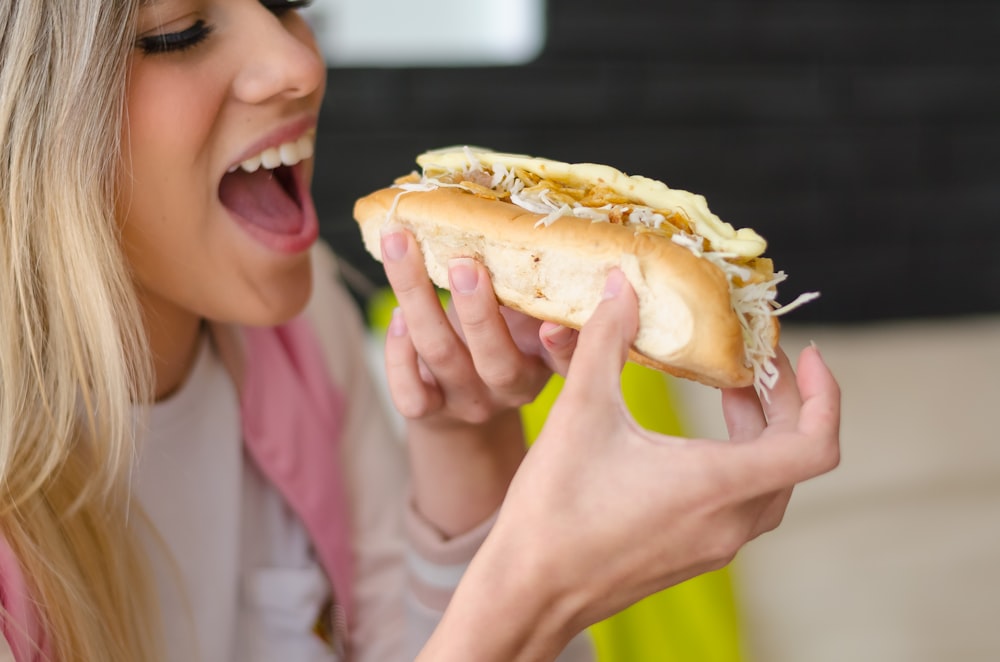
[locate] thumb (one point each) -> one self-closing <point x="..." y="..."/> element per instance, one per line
<point x="604" y="341"/>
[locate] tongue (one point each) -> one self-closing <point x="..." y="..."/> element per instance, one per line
<point x="260" y="199"/>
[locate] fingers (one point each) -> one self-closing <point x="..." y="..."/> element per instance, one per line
<point x="512" y="375"/>
<point x="804" y="415"/>
<point x="820" y="415"/>
<point x="498" y="360"/>
<point x="603" y="343"/>
<point x="431" y="344"/>
<point x="747" y="414"/>
<point x="743" y="414"/>
<point x="559" y="342"/>
<point x="412" y="393"/>
<point x="416" y="294"/>
<point x="783" y="402"/>
<point x="802" y="439"/>
<point x="821" y="395"/>
<point x="476" y="365"/>
<point x="773" y="511"/>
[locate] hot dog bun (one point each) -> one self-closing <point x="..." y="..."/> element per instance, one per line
<point x="557" y="273"/>
<point x="555" y="268"/>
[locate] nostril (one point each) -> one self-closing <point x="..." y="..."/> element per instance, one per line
<point x="285" y="63"/>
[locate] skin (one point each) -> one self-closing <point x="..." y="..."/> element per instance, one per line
<point x="190" y="115"/>
<point x="630" y="511"/>
<point x="460" y="381"/>
<point x="624" y="512"/>
<point x="193" y="263"/>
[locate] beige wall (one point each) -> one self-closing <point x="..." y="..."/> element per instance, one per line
<point x="895" y="556"/>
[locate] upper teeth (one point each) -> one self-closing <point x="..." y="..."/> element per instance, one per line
<point x="287" y="154"/>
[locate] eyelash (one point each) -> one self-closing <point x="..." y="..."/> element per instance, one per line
<point x="279" y="7"/>
<point x="176" y="42"/>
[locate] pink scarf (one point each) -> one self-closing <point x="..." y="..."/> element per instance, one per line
<point x="292" y="419"/>
<point x="292" y="416"/>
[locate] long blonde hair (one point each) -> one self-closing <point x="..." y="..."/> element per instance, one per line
<point x="73" y="354"/>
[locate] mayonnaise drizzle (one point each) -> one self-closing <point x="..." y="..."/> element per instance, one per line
<point x="753" y="302"/>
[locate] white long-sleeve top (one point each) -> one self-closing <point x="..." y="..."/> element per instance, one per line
<point x="237" y="575"/>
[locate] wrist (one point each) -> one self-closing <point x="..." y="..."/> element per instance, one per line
<point x="510" y="606"/>
<point x="460" y="472"/>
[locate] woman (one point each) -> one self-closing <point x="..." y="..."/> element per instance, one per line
<point x="193" y="458"/>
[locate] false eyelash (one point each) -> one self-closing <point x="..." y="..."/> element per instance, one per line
<point x="173" y="42"/>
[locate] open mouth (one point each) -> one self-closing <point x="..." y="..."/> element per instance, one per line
<point x="267" y="199"/>
<point x="265" y="191"/>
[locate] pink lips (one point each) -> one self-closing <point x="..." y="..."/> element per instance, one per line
<point x="274" y="207"/>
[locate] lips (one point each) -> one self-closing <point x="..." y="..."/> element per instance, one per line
<point x="267" y="193"/>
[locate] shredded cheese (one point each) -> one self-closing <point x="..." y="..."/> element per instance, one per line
<point x="753" y="299"/>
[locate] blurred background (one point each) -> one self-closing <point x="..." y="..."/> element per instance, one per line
<point x="862" y="139"/>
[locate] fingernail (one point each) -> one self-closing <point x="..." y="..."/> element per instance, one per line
<point x="394" y="245"/>
<point x="613" y="285"/>
<point x="557" y="335"/>
<point x="463" y="275"/>
<point x="397" y="325"/>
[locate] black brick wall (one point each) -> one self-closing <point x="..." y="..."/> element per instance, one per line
<point x="860" y="137"/>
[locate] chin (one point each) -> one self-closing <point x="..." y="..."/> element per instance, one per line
<point x="280" y="301"/>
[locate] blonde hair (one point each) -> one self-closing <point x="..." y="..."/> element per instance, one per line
<point x="73" y="354"/>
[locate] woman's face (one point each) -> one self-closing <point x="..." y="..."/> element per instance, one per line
<point x="217" y="89"/>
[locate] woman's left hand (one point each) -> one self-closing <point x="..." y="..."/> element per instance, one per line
<point x="470" y="363"/>
<point x="459" y="377"/>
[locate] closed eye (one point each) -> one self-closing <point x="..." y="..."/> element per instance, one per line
<point x="173" y="42"/>
<point x="279" y="7"/>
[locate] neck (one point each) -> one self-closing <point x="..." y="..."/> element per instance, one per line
<point x="173" y="340"/>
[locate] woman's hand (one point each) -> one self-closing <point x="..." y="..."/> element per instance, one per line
<point x="459" y="377"/>
<point x="603" y="513"/>
<point x="464" y="366"/>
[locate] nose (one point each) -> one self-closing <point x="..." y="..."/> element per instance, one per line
<point x="280" y="58"/>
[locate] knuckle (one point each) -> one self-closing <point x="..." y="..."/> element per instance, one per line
<point x="473" y="318"/>
<point x="502" y="377"/>
<point x="832" y="458"/>
<point x="771" y="522"/>
<point x="729" y="541"/>
<point x="721" y="559"/>
<point x="403" y="283"/>
<point x="438" y="351"/>
<point x="411" y="406"/>
<point x="827" y="457"/>
<point x="477" y="412"/>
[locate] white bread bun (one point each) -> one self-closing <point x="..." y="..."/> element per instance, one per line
<point x="556" y="272"/>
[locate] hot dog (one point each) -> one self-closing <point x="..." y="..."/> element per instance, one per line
<point x="549" y="232"/>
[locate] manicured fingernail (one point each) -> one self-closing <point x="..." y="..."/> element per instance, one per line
<point x="557" y="335"/>
<point x="613" y="285"/>
<point x="394" y="245"/>
<point x="463" y="275"/>
<point x="397" y="325"/>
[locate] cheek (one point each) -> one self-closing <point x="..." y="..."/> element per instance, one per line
<point x="170" y="118"/>
<point x="166" y="134"/>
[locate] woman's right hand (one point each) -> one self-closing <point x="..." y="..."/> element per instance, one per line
<point x="603" y="513"/>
